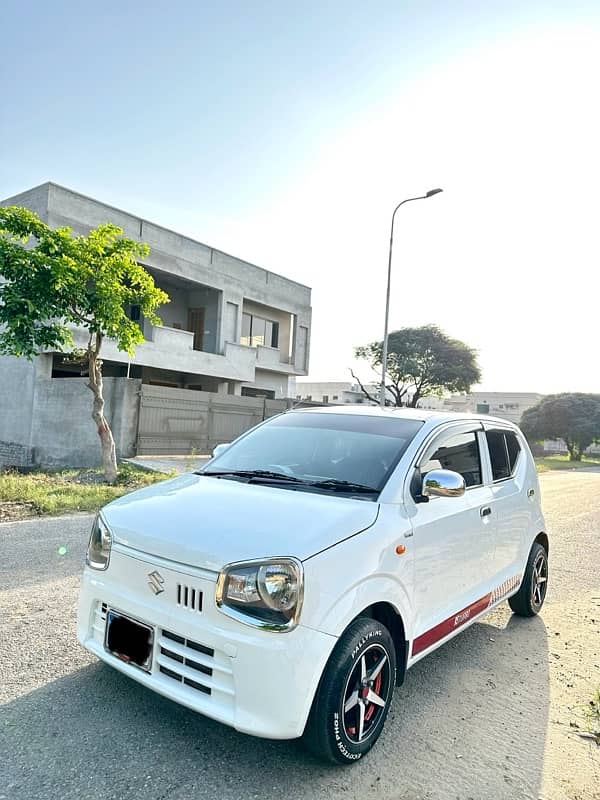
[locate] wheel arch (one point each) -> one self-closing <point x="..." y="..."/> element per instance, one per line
<point x="389" y="616"/>
<point x="542" y="538"/>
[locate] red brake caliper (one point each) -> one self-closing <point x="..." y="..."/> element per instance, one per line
<point x="370" y="710"/>
<point x="376" y="688"/>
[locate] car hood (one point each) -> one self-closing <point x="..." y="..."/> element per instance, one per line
<point x="209" y="522"/>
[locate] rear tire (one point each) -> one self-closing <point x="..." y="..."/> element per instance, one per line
<point x="354" y="694"/>
<point x="528" y="601"/>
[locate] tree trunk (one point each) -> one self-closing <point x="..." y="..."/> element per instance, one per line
<point x="414" y="401"/>
<point x="107" y="443"/>
<point x="572" y="448"/>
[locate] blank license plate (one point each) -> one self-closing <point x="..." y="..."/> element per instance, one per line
<point x="129" y="640"/>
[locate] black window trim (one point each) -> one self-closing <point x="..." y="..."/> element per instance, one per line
<point x="504" y="430"/>
<point x="467" y="426"/>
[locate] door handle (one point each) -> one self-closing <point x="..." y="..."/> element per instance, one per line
<point x="530" y="493"/>
<point x="485" y="512"/>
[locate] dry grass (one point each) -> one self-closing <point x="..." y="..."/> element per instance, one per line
<point x="40" y="493"/>
<point x="549" y="463"/>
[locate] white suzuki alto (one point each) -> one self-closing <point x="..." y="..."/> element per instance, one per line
<point x="287" y="587"/>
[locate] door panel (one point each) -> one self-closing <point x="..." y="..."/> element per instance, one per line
<point x="453" y="541"/>
<point x="196" y="326"/>
<point x="514" y="515"/>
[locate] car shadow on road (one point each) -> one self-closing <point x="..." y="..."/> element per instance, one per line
<point x="470" y="722"/>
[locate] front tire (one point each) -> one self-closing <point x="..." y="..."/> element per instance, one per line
<point x="354" y="695"/>
<point x="528" y="601"/>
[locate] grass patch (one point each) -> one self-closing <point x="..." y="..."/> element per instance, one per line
<point x="39" y="493"/>
<point x="591" y="720"/>
<point x="592" y="716"/>
<point x="549" y="463"/>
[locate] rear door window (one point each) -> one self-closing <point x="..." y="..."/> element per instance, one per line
<point x="504" y="449"/>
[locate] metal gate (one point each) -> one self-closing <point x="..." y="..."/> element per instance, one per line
<point x="181" y="421"/>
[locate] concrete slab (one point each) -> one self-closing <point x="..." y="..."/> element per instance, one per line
<point x="179" y="464"/>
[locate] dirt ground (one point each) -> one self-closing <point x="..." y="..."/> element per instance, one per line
<point x="571" y="615"/>
<point x="493" y="715"/>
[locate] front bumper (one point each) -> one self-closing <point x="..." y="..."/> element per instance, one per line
<point x="259" y="682"/>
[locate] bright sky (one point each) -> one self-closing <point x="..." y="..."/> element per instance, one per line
<point x="285" y="133"/>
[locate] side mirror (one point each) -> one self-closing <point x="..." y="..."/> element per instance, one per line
<point x="220" y="449"/>
<point x="443" y="483"/>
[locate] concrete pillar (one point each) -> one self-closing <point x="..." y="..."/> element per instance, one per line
<point x="43" y="365"/>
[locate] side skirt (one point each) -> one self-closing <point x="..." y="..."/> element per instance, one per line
<point x="444" y="631"/>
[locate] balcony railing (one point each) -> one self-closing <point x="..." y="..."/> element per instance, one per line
<point x="164" y="337"/>
<point x="173" y="349"/>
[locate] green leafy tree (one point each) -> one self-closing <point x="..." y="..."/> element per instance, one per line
<point x="574" y="418"/>
<point x="421" y="362"/>
<point x="50" y="280"/>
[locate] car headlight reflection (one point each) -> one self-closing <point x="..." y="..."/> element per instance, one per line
<point x="99" y="545"/>
<point x="267" y="594"/>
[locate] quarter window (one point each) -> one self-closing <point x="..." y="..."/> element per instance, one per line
<point x="514" y="448"/>
<point x="459" y="453"/>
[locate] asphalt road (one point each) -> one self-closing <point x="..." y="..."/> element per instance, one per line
<point x="490" y="715"/>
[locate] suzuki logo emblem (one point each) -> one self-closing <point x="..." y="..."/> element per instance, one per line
<point x="156" y="582"/>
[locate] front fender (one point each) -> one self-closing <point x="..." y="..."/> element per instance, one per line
<point x="344" y="580"/>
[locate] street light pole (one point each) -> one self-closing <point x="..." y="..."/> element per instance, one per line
<point x="430" y="193"/>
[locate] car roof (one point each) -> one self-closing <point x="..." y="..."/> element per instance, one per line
<point x="421" y="414"/>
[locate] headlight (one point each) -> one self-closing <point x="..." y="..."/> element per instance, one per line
<point x="98" y="552"/>
<point x="267" y="594"/>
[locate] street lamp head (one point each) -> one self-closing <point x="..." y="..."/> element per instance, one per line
<point x="431" y="192"/>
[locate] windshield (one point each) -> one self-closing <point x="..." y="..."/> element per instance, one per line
<point x="357" y="449"/>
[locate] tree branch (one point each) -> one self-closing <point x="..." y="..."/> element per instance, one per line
<point x="79" y="316"/>
<point x="362" y="388"/>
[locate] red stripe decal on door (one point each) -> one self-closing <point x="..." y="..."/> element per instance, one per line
<point x="433" y="635"/>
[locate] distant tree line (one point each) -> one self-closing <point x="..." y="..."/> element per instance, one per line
<point x="573" y="418"/>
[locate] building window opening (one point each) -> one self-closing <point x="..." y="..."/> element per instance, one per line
<point x="255" y="391"/>
<point x="259" y="331"/>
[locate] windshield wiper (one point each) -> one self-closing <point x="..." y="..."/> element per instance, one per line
<point x="257" y="475"/>
<point x="344" y="486"/>
<point x="251" y="474"/>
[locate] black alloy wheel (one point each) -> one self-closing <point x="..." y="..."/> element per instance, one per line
<point x="528" y="601"/>
<point x="354" y="695"/>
